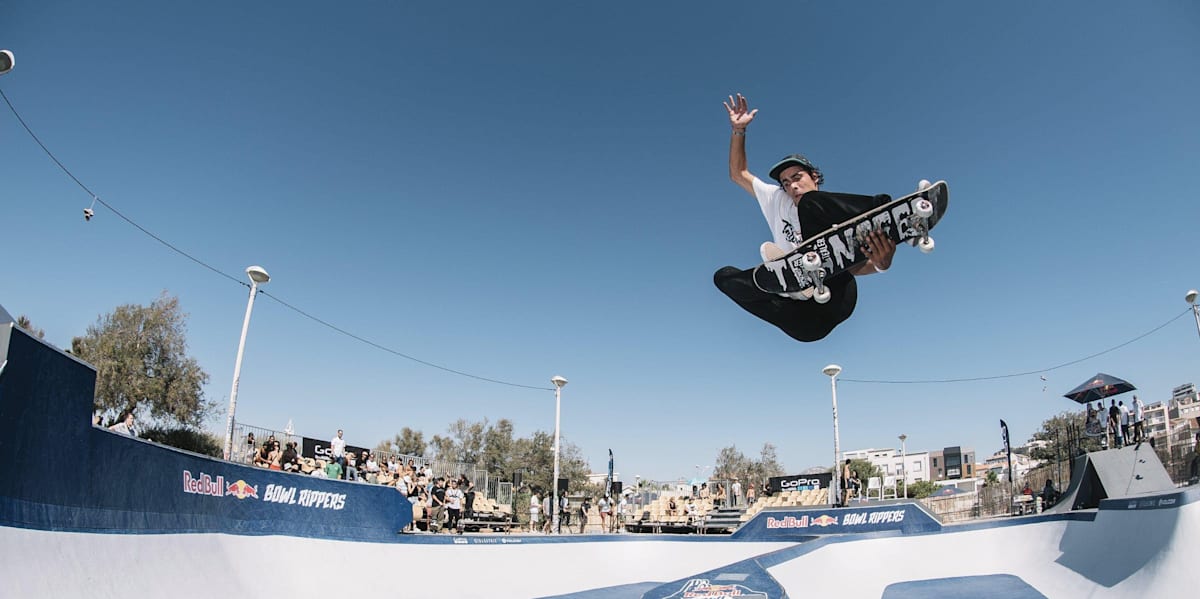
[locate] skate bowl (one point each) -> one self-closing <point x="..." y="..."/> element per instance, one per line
<point x="121" y="517"/>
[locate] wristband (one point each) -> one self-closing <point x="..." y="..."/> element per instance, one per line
<point x="878" y="269"/>
<point x="739" y="132"/>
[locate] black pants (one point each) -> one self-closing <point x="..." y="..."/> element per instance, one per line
<point x="799" y="319"/>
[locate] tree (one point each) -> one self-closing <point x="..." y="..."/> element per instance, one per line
<point x="1063" y="433"/>
<point x="992" y="478"/>
<point x="443" y="448"/>
<point x="866" y="470"/>
<point x="498" y="446"/>
<point x="408" y="442"/>
<point x="142" y="366"/>
<point x="24" y="323"/>
<point x="732" y="463"/>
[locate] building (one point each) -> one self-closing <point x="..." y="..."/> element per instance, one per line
<point x="911" y="467"/>
<point x="998" y="463"/>
<point x="952" y="463"/>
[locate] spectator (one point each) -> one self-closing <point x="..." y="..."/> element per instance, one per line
<point x="535" y="506"/>
<point x="605" y="509"/>
<point x="291" y="458"/>
<point x="125" y="426"/>
<point x="1049" y="494"/>
<point x="750" y="494"/>
<point x="719" y="499"/>
<point x="845" y="480"/>
<point x="672" y="507"/>
<point x="454" y="503"/>
<point x="1139" y="420"/>
<point x="469" y="495"/>
<point x="437" y="502"/>
<point x="736" y="493"/>
<point x="421" y="509"/>
<point x="1114" y="424"/>
<point x="333" y="470"/>
<point x="337" y="450"/>
<point x="1027" y="490"/>
<point x="371" y="467"/>
<point x="625" y="510"/>
<point x="275" y="458"/>
<point x="1125" y="418"/>
<point x="351" y="466"/>
<point x="584" y="508"/>
<point x="262" y="457"/>
<point x="691" y="510"/>
<point x="248" y="450"/>
<point x="548" y="509"/>
<point x="855" y="485"/>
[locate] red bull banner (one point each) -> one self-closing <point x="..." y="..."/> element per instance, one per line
<point x="168" y="490"/>
<point x="774" y="524"/>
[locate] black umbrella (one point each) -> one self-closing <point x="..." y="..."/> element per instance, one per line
<point x="1098" y="387"/>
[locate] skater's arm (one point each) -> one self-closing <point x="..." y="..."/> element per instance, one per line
<point x="881" y="250"/>
<point x="740" y="117"/>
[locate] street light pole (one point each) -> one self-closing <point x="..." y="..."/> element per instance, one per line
<point x="558" y="385"/>
<point x="1191" y="296"/>
<point x="832" y="371"/>
<point x="904" y="463"/>
<point x="257" y="275"/>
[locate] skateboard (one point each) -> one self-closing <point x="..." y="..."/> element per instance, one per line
<point x="805" y="269"/>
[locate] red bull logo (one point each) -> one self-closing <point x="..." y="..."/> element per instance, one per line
<point x="787" y="522"/>
<point x="824" y="520"/>
<point x="702" y="588"/>
<point x="242" y="490"/>
<point x="204" y="485"/>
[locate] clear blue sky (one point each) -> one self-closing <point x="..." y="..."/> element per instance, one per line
<point x="519" y="190"/>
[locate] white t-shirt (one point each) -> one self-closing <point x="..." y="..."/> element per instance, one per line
<point x="1139" y="411"/>
<point x="337" y="447"/>
<point x="454" y="498"/>
<point x="535" y="504"/>
<point x="780" y="212"/>
<point x="1124" y="415"/>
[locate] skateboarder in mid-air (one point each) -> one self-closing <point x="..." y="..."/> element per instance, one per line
<point x="794" y="208"/>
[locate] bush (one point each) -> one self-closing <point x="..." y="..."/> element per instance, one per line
<point x="921" y="489"/>
<point x="186" y="439"/>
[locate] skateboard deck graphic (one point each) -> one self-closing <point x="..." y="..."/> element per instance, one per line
<point x="841" y="247"/>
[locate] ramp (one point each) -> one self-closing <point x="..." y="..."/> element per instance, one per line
<point x="1128" y="471"/>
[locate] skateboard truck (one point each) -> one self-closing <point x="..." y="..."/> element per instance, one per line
<point x="923" y="209"/>
<point x="811" y="263"/>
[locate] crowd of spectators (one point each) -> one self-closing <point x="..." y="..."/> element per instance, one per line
<point x="439" y="503"/>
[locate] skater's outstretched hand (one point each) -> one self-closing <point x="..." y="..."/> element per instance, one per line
<point x="880" y="251"/>
<point x="740" y="114"/>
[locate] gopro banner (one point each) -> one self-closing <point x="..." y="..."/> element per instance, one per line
<point x="779" y="525"/>
<point x="799" y="482"/>
<point x="319" y="449"/>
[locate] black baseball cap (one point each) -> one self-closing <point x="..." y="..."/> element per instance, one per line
<point x="797" y="160"/>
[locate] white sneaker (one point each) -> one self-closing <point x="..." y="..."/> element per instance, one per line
<point x="770" y="252"/>
<point x="923" y="184"/>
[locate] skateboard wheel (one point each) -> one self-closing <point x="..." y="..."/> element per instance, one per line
<point x="925" y="244"/>
<point x="822" y="295"/>
<point x="923" y="208"/>
<point x="811" y="262"/>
